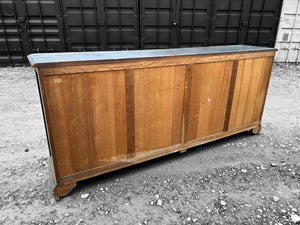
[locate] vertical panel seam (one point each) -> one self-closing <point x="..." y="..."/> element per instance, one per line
<point x="230" y="95"/>
<point x="187" y="98"/>
<point x="130" y="112"/>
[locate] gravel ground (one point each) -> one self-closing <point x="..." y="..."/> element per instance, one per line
<point x="243" y="179"/>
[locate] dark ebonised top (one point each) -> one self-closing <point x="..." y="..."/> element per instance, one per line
<point x="67" y="57"/>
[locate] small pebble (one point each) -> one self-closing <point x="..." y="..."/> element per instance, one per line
<point x="159" y="202"/>
<point x="295" y="218"/>
<point x="273" y="164"/>
<point x="26" y="150"/>
<point x="84" y="196"/>
<point x="244" y="171"/>
<point x="275" y="198"/>
<point x="223" y="203"/>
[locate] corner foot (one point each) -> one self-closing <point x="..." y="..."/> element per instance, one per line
<point x="63" y="189"/>
<point x="256" y="130"/>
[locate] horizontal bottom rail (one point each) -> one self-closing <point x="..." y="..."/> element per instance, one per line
<point x="154" y="154"/>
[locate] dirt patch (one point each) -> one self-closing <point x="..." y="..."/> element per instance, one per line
<point x="243" y="179"/>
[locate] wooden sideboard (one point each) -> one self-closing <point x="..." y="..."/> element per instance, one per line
<point x="108" y="110"/>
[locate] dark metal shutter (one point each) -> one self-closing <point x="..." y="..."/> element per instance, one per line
<point x="195" y="23"/>
<point x="157" y="22"/>
<point x="251" y="22"/>
<point x="101" y="25"/>
<point x="263" y="22"/>
<point x="187" y="23"/>
<point x="11" y="48"/>
<point x="28" y="26"/>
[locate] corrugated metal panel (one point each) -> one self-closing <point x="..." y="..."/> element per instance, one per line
<point x="157" y="21"/>
<point x="247" y="22"/>
<point x="263" y="22"/>
<point x="11" y="48"/>
<point x="288" y="37"/>
<point x="28" y="26"/>
<point x="101" y="25"/>
<point x="184" y="23"/>
<point x="195" y="23"/>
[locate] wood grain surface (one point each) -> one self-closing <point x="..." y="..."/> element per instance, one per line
<point x="118" y="115"/>
<point x="208" y="99"/>
<point x="250" y="90"/>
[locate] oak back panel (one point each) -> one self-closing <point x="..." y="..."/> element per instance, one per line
<point x="208" y="99"/>
<point x="250" y="91"/>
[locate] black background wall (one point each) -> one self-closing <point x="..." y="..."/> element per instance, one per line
<point x="29" y="26"/>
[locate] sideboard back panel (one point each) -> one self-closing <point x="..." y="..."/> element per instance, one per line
<point x="105" y="111"/>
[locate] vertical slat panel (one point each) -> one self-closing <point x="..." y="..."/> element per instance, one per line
<point x="76" y="109"/>
<point x="107" y="93"/>
<point x="158" y="107"/>
<point x="71" y="125"/>
<point x="214" y="101"/>
<point x="262" y="89"/>
<point x="121" y="122"/>
<point x="208" y="99"/>
<point x="61" y="146"/>
<point x="87" y="114"/>
<point x="241" y="92"/>
<point x="256" y="71"/>
<point x="250" y="90"/>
